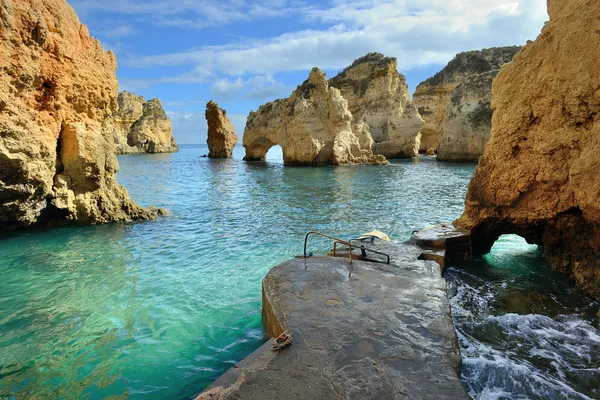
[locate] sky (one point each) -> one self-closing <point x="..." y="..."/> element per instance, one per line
<point x="243" y="53"/>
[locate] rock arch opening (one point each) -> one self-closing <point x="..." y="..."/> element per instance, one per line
<point x="258" y="149"/>
<point x="510" y="245"/>
<point x="275" y="153"/>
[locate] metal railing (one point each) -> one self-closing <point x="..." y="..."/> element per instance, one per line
<point x="346" y="243"/>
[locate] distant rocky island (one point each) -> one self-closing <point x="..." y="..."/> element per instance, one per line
<point x="221" y="138"/>
<point x="314" y="126"/>
<point x="456" y="104"/>
<point x="450" y="114"/>
<point x="142" y="126"/>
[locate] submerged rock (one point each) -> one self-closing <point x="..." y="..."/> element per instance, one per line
<point x="313" y="127"/>
<point x="58" y="95"/>
<point x="434" y="98"/>
<point x="538" y="177"/>
<point x="142" y="126"/>
<point x="221" y="133"/>
<point x="378" y="96"/>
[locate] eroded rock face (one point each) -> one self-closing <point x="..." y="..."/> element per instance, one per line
<point x="538" y="177"/>
<point x="142" y="126"/>
<point x="57" y="99"/>
<point x="221" y="133"/>
<point x="433" y="96"/>
<point x="313" y="127"/>
<point x="468" y="124"/>
<point x="378" y="96"/>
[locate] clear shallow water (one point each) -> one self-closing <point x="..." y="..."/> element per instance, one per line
<point x="160" y="309"/>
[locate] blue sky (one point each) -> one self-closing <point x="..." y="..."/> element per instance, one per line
<point x="243" y="53"/>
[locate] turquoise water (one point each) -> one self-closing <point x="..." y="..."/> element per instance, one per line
<point x="160" y="309"/>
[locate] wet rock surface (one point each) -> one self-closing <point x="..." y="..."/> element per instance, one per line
<point x="538" y="177"/>
<point x="365" y="330"/>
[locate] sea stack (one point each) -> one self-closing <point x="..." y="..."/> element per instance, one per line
<point x="58" y="96"/>
<point x="538" y="177"/>
<point x="142" y="126"/>
<point x="460" y="95"/>
<point x="378" y="96"/>
<point x="221" y="133"/>
<point x="313" y="127"/>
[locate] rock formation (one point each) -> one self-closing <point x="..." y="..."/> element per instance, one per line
<point x="433" y="96"/>
<point x="468" y="124"/>
<point x="142" y="127"/>
<point x="221" y="133"/>
<point x="313" y="127"/>
<point x="58" y="92"/>
<point x="378" y="96"/>
<point x="538" y="177"/>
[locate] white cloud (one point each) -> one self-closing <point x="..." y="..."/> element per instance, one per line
<point x="418" y="33"/>
<point x="188" y="13"/>
<point x="255" y="88"/>
<point x="119" y="31"/>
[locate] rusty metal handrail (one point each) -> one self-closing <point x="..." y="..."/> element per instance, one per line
<point x="363" y="251"/>
<point x="336" y="240"/>
<point x="346" y="243"/>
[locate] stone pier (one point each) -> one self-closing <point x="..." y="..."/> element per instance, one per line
<point x="365" y="330"/>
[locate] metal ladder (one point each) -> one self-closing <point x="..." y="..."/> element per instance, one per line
<point x="348" y="245"/>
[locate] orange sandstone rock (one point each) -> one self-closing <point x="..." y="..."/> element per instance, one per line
<point x="540" y="174"/>
<point x="221" y="133"/>
<point x="58" y="93"/>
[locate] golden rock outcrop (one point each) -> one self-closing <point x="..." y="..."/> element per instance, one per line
<point x="433" y="97"/>
<point x="221" y="134"/>
<point x="58" y="95"/>
<point x="142" y="126"/>
<point x="378" y="96"/>
<point x="538" y="177"/>
<point x="313" y="127"/>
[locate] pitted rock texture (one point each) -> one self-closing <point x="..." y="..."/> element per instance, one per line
<point x="468" y="124"/>
<point x="313" y="127"/>
<point x="538" y="177"/>
<point x="433" y="96"/>
<point x="58" y="94"/>
<point x="221" y="133"/>
<point x="378" y="97"/>
<point x="142" y="126"/>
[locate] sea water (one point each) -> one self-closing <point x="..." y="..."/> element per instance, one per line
<point x="160" y="309"/>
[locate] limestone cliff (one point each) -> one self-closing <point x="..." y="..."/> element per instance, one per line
<point x="468" y="124"/>
<point x="58" y="92"/>
<point x="142" y="127"/>
<point x="378" y="96"/>
<point x="221" y="133"/>
<point x="433" y="96"/>
<point x="313" y="127"/>
<point x="538" y="177"/>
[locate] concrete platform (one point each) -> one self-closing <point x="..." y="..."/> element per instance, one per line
<point x="360" y="331"/>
